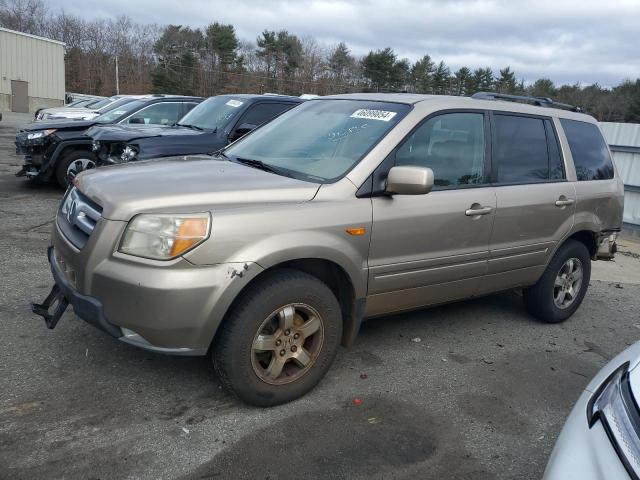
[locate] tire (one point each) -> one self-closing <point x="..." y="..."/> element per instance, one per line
<point x="243" y="368"/>
<point x="64" y="163"/>
<point x="541" y="300"/>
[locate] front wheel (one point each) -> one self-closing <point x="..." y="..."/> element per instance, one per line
<point x="72" y="164"/>
<point x="563" y="285"/>
<point x="280" y="338"/>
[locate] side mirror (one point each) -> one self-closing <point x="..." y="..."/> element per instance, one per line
<point x="408" y="180"/>
<point x="241" y="131"/>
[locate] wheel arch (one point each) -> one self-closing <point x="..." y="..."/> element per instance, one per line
<point x="331" y="274"/>
<point x="65" y="148"/>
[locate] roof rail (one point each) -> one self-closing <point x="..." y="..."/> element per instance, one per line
<point x="538" y="101"/>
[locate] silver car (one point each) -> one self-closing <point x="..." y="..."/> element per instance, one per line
<point x="601" y="438"/>
<point x="269" y="254"/>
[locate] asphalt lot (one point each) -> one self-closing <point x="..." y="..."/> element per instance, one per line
<point x="482" y="395"/>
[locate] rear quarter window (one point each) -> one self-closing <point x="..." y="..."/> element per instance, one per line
<point x="589" y="150"/>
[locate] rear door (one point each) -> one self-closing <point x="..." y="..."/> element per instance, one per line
<point x="535" y="202"/>
<point x="433" y="248"/>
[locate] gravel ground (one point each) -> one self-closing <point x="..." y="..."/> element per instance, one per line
<point x="482" y="395"/>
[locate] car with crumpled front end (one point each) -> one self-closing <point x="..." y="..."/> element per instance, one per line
<point x="59" y="149"/>
<point x="210" y="126"/>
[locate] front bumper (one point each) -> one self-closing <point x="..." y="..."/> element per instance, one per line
<point x="87" y="308"/>
<point x="170" y="307"/>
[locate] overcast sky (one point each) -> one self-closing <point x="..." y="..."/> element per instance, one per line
<point x="568" y="41"/>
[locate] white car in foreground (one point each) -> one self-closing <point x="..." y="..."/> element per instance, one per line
<point x="601" y="438"/>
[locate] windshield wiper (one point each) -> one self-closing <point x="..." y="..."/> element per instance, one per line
<point x="219" y="153"/>
<point x="194" y="127"/>
<point x="260" y="165"/>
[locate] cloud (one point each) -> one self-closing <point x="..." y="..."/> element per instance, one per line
<point x="568" y="41"/>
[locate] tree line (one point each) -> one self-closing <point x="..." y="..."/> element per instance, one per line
<point x="212" y="60"/>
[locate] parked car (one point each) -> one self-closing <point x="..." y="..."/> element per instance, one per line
<point x="207" y="128"/>
<point x="601" y="437"/>
<point x="80" y="113"/>
<point x="79" y="103"/>
<point x="270" y="254"/>
<point x="58" y="149"/>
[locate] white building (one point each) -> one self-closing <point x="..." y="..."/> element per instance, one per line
<point x="31" y="72"/>
<point x="624" y="142"/>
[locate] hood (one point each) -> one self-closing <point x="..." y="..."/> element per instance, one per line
<point x="127" y="133"/>
<point x="61" y="124"/>
<point x="186" y="184"/>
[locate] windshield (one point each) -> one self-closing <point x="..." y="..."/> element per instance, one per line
<point x="101" y="103"/>
<point x="320" y="140"/>
<point x="112" y="115"/>
<point x="213" y="113"/>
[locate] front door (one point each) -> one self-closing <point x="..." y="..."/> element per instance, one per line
<point x="19" y="96"/>
<point x="535" y="201"/>
<point x="433" y="248"/>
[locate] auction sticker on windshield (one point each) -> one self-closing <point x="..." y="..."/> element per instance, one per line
<point x="373" y="114"/>
<point x="234" y="103"/>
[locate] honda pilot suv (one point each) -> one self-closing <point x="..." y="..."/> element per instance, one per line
<point x="270" y="254"/>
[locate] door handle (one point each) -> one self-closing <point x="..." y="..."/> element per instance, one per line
<point x="472" y="212"/>
<point x="563" y="202"/>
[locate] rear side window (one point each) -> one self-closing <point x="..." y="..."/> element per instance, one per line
<point x="520" y="151"/>
<point x="452" y="145"/>
<point x="589" y="150"/>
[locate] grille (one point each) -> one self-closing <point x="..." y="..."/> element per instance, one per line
<point x="77" y="217"/>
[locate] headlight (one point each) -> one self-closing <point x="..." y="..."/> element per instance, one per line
<point x="95" y="146"/>
<point x="128" y="153"/>
<point x="163" y="237"/>
<point x="40" y="134"/>
<point x="613" y="404"/>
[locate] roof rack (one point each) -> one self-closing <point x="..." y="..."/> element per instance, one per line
<point x="538" y="101"/>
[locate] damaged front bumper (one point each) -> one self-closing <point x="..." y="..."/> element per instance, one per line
<point x="33" y="151"/>
<point x="173" y="309"/>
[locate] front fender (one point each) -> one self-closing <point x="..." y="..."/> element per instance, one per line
<point x="328" y="246"/>
<point x="273" y="234"/>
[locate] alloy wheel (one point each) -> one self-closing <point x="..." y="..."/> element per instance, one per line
<point x="568" y="283"/>
<point x="287" y="344"/>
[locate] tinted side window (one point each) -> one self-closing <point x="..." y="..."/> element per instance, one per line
<point x="157" y="114"/>
<point x="452" y="145"/>
<point x="520" y="149"/>
<point x="263" y="112"/>
<point x="589" y="150"/>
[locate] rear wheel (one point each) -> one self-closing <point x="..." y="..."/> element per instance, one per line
<point x="562" y="287"/>
<point x="280" y="339"/>
<point x="72" y="164"/>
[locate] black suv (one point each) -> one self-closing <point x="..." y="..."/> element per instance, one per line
<point x="207" y="128"/>
<point x="57" y="149"/>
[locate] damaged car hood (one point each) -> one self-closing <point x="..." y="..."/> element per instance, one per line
<point x="186" y="184"/>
